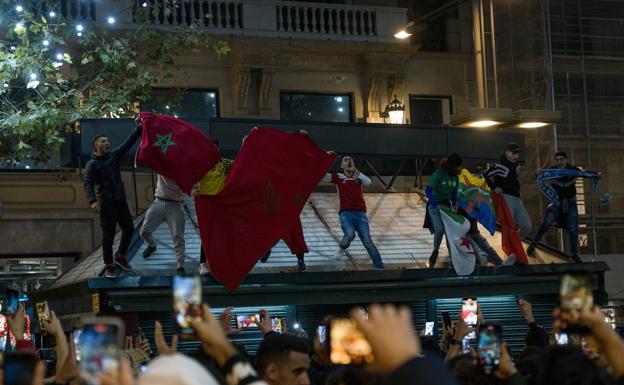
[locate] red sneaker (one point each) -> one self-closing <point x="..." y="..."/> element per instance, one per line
<point x="109" y="272"/>
<point x="121" y="261"/>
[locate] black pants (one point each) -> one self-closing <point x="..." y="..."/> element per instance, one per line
<point x="112" y="213"/>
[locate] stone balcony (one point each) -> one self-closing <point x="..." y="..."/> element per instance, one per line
<point x="266" y="18"/>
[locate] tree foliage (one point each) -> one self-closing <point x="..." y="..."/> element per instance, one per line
<point x="50" y="77"/>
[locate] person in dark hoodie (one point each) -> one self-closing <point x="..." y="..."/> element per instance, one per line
<point x="503" y="178"/>
<point x="106" y="194"/>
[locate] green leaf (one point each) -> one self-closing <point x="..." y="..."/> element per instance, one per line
<point x="67" y="58"/>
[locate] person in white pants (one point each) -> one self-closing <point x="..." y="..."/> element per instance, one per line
<point x="166" y="207"/>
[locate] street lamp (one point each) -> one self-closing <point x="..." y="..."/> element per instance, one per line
<point x="395" y="111"/>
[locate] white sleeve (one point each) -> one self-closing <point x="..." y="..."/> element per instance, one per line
<point x="327" y="177"/>
<point x="366" y="181"/>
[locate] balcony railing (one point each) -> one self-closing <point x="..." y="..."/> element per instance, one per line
<point x="270" y="18"/>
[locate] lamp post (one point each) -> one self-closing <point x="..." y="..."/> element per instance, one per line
<point x="395" y="111"/>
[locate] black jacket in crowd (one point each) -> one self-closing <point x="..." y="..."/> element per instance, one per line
<point x="103" y="172"/>
<point x="504" y="174"/>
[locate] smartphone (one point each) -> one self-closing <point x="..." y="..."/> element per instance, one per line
<point x="187" y="302"/>
<point x="12" y="302"/>
<point x="100" y="341"/>
<point x="446" y="319"/>
<point x="43" y="313"/>
<point x="76" y="334"/>
<point x="277" y="324"/>
<point x="575" y="294"/>
<point x="562" y="338"/>
<point x="321" y="330"/>
<point x="469" y="314"/>
<point x="609" y="317"/>
<point x="490" y="336"/>
<point x="19" y="367"/>
<point x="248" y="321"/>
<point x="429" y="325"/>
<point x="347" y="344"/>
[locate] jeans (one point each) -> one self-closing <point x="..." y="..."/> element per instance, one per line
<point x="171" y="212"/>
<point x="357" y="221"/>
<point x="483" y="244"/>
<point x="112" y="213"/>
<point x="438" y="226"/>
<point x="519" y="214"/>
<point x="571" y="216"/>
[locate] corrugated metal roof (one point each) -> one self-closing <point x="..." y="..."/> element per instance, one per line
<point x="396" y="227"/>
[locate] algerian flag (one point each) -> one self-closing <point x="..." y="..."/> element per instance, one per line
<point x="462" y="253"/>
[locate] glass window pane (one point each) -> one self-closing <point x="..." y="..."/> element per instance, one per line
<point x="315" y="107"/>
<point x="183" y="103"/>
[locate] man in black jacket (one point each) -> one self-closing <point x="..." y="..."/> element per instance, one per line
<point x="503" y="178"/>
<point x="106" y="194"/>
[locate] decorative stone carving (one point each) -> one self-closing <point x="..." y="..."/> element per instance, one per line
<point x="265" y="90"/>
<point x="242" y="77"/>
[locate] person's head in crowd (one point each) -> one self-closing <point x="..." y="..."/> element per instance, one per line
<point x="283" y="359"/>
<point x="347" y="165"/>
<point x="561" y="159"/>
<point x="466" y="371"/>
<point x="568" y="365"/>
<point x="451" y="165"/>
<point x="351" y="375"/>
<point x="101" y="144"/>
<point x="176" y="369"/>
<point x="430" y="346"/>
<point x="512" y="152"/>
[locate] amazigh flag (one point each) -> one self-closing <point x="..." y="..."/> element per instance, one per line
<point x="511" y="242"/>
<point x="462" y="253"/>
<point x="264" y="193"/>
<point x="175" y="149"/>
<point x="473" y="195"/>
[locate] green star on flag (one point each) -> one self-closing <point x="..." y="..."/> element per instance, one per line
<point x="164" y="141"/>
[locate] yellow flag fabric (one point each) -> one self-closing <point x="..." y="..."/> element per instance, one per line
<point x="212" y="183"/>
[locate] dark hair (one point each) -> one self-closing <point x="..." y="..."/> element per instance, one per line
<point x="561" y="153"/>
<point x="563" y="365"/>
<point x="451" y="164"/>
<point x="98" y="136"/>
<point x="275" y="347"/>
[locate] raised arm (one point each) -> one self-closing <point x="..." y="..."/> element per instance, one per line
<point x="129" y="142"/>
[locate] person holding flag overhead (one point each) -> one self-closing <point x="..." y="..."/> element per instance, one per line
<point x="562" y="208"/>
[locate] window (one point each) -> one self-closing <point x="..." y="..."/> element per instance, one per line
<point x="316" y="107"/>
<point x="430" y="109"/>
<point x="190" y="103"/>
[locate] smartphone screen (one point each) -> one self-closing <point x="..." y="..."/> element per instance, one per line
<point x="247" y="321"/>
<point x="469" y="314"/>
<point x="12" y="302"/>
<point x="277" y="324"/>
<point x="99" y="350"/>
<point x="19" y="367"/>
<point x="446" y="319"/>
<point x="562" y="338"/>
<point x="321" y="330"/>
<point x="576" y="292"/>
<point x="77" y="333"/>
<point x="43" y="313"/>
<point x="429" y="328"/>
<point x="187" y="301"/>
<point x="489" y="346"/>
<point x="609" y="317"/>
<point x="347" y="344"/>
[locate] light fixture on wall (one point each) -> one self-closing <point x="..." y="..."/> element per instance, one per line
<point x="395" y="111"/>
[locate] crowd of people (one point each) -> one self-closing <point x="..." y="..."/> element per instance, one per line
<point x="595" y="355"/>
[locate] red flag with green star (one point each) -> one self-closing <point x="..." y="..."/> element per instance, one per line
<point x="272" y="177"/>
<point x="175" y="149"/>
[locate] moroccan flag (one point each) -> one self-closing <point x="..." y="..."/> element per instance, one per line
<point x="512" y="244"/>
<point x="462" y="253"/>
<point x="473" y="195"/>
<point x="264" y="193"/>
<point x="175" y="149"/>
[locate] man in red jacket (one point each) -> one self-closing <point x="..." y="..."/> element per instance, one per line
<point x="353" y="208"/>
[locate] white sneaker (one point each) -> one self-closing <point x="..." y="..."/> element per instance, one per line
<point x="204" y="269"/>
<point x="510" y="260"/>
<point x="340" y="253"/>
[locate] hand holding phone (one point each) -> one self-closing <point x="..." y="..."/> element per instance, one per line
<point x="469" y="314"/>
<point x="43" y="314"/>
<point x="187" y="302"/>
<point x="490" y="337"/>
<point x="575" y="295"/>
<point x="429" y="326"/>
<point x="100" y="342"/>
<point x="347" y="344"/>
<point x="11" y="304"/>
